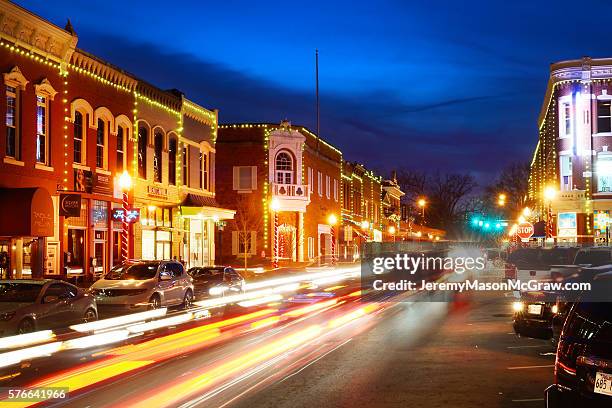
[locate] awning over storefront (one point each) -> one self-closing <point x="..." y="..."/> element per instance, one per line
<point x="26" y="212"/>
<point x="204" y="206"/>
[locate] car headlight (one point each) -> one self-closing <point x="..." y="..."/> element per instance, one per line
<point x="554" y="309"/>
<point x="217" y="290"/>
<point x="6" y="316"/>
<point x="518" y="306"/>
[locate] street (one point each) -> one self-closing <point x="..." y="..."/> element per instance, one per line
<point x="334" y="351"/>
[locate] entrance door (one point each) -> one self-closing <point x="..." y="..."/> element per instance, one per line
<point x="99" y="266"/>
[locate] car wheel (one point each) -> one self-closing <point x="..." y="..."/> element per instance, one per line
<point x="154" y="302"/>
<point x="187" y="300"/>
<point x="26" y="326"/>
<point x="90" y="315"/>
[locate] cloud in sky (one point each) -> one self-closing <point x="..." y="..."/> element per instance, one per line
<point x="456" y="86"/>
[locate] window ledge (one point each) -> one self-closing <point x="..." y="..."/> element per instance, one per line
<point x="602" y="134"/>
<point x="41" y="166"/>
<point x="10" y="160"/>
<point x="80" y="166"/>
<point x="102" y="171"/>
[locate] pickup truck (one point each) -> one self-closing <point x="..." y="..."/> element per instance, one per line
<point x="585" y="258"/>
<point x="536" y="263"/>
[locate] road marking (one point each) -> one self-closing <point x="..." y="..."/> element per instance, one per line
<point x="518" y="347"/>
<point x="529" y="400"/>
<point x="527" y="367"/>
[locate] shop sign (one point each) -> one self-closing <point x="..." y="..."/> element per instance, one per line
<point x="567" y="225"/>
<point x="70" y="205"/>
<point x="83" y="181"/>
<point x="133" y="215"/>
<point x="102" y="184"/>
<point x="157" y="192"/>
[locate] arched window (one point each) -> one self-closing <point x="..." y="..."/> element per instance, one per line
<point x="142" y="152"/>
<point x="158" y="144"/>
<point x="122" y="135"/>
<point x="172" y="146"/>
<point x="284" y="168"/>
<point x="79" y="156"/>
<point x="101" y="144"/>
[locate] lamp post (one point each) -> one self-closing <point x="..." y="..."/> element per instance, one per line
<point x="422" y="203"/>
<point x="275" y="206"/>
<point x="392" y="231"/>
<point x="332" y="220"/>
<point x="549" y="195"/>
<point x="125" y="183"/>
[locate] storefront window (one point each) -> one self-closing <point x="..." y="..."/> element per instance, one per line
<point x="76" y="250"/>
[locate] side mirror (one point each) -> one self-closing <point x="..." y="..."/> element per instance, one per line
<point x="165" y="276"/>
<point x="51" y="299"/>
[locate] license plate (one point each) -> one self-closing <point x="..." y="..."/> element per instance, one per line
<point x="603" y="384"/>
<point x="534" y="309"/>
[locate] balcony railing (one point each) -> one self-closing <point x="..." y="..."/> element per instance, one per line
<point x="294" y="191"/>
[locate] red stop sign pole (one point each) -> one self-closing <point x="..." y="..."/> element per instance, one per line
<point x="525" y="230"/>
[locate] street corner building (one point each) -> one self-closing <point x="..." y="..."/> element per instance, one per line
<point x="74" y="125"/>
<point x="573" y="156"/>
<point x="284" y="183"/>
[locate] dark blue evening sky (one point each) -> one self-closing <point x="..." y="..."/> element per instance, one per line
<point x="454" y="85"/>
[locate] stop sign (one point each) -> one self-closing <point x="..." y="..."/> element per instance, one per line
<point x="524" y="230"/>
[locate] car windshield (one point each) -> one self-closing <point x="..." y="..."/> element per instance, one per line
<point x="555" y="256"/>
<point x="139" y="271"/>
<point x="19" y="292"/>
<point x="593" y="258"/>
<point x="210" y="273"/>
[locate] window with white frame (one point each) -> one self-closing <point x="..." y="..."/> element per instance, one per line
<point x="13" y="143"/>
<point x="311" y="248"/>
<point x="42" y="138"/>
<point x="310" y="178"/>
<point x="320" y="183"/>
<point x="121" y="138"/>
<point x="79" y="145"/>
<point x="184" y="160"/>
<point x="327" y="186"/>
<point x="566" y="119"/>
<point x="172" y="146"/>
<point x="565" y="167"/>
<point x="335" y="190"/>
<point x="158" y="146"/>
<point x="604" y="117"/>
<point x="101" y="144"/>
<point x="203" y="171"/>
<point x="603" y="168"/>
<point x="284" y="168"/>
<point x="245" y="178"/>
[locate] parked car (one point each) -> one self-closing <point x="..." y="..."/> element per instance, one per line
<point x="216" y="281"/>
<point x="141" y="285"/>
<point x="27" y="305"/>
<point x="538" y="314"/>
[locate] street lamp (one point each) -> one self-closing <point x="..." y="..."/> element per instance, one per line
<point x="501" y="200"/>
<point x="125" y="183"/>
<point x="526" y="212"/>
<point x="332" y="220"/>
<point x="275" y="206"/>
<point x="392" y="231"/>
<point x="422" y="203"/>
<point x="549" y="195"/>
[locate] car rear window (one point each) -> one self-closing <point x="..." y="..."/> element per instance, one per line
<point x="525" y="256"/>
<point x="592" y="257"/>
<point x="139" y="271"/>
<point x="207" y="272"/>
<point x="19" y="292"/>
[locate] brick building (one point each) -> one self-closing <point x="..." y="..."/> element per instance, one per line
<point x="573" y="156"/>
<point x="73" y="124"/>
<point x="362" y="211"/>
<point x="266" y="169"/>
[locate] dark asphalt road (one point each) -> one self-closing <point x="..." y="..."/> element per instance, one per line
<point x="424" y="355"/>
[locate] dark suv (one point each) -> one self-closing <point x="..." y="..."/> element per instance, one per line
<point x="583" y="368"/>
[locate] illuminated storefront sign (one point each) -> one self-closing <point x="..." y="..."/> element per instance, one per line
<point x="567" y="225"/>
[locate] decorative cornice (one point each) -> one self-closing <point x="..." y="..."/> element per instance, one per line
<point x="83" y="62"/>
<point x="35" y="34"/>
<point x="194" y="111"/>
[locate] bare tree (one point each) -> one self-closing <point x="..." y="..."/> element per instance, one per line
<point x="247" y="220"/>
<point x="446" y="195"/>
<point x="513" y="181"/>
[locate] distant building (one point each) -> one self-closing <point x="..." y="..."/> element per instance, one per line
<point x="263" y="166"/>
<point x="574" y="151"/>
